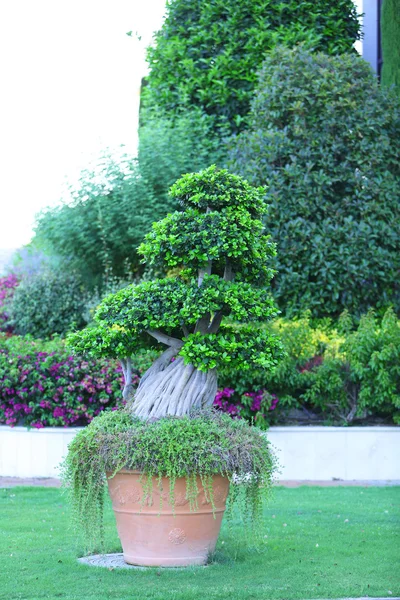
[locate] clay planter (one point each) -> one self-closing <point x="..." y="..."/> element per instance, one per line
<point x="154" y="536"/>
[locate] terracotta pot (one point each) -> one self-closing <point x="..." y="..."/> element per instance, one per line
<point x="163" y="537"/>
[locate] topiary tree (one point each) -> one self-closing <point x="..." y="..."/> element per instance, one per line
<point x="323" y="137"/>
<point x="207" y="54"/>
<point x="218" y="244"/>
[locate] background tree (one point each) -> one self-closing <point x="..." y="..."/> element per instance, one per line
<point x="390" y="39"/>
<point x="97" y="229"/>
<point x="219" y="243"/>
<point x="323" y="137"/>
<point x="207" y="54"/>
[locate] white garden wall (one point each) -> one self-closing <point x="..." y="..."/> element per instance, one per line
<point x="305" y="453"/>
<point x="326" y="453"/>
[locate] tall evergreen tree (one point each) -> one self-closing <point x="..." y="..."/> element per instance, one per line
<point x="390" y="36"/>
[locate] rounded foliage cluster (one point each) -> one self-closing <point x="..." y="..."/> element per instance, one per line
<point x="323" y="138"/>
<point x="217" y="245"/>
<point x="202" y="444"/>
<point x="48" y="303"/>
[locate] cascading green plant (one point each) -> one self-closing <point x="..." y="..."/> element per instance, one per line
<point x="218" y="246"/>
<point x="200" y="445"/>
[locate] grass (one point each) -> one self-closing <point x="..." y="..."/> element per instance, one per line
<point x="320" y="543"/>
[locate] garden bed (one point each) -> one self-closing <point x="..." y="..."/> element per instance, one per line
<point x="305" y="453"/>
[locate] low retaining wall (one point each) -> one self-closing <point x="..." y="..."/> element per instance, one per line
<point x="305" y="453"/>
<point x="326" y="453"/>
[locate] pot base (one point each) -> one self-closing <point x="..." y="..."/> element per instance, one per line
<point x="159" y="534"/>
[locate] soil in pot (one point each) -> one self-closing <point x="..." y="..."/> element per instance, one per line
<point x="162" y="535"/>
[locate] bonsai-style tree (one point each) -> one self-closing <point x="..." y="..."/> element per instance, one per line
<point x="218" y="253"/>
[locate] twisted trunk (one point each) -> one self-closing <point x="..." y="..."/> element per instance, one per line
<point x="173" y="388"/>
<point x="128" y="390"/>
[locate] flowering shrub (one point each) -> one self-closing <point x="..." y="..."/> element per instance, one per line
<point x="51" y="388"/>
<point x="7" y="288"/>
<point x="255" y="407"/>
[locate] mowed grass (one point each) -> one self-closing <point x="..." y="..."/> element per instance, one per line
<point x="320" y="543"/>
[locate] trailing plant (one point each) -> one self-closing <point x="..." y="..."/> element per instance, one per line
<point x="323" y="137"/>
<point x="200" y="445"/>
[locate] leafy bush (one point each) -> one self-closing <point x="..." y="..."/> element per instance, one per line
<point x="98" y="226"/>
<point x="343" y="375"/>
<point x="8" y="285"/>
<point x="362" y="378"/>
<point x="202" y="445"/>
<point x="207" y="54"/>
<point x="42" y="385"/>
<point x="323" y="137"/>
<point x="48" y="303"/>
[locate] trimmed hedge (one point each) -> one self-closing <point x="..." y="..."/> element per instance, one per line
<point x="207" y="54"/>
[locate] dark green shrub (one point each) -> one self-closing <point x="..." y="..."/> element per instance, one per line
<point x="48" y="303"/>
<point x="390" y="39"/>
<point x="323" y="138"/>
<point x="207" y="54"/>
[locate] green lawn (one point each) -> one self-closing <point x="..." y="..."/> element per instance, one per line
<point x="320" y="543"/>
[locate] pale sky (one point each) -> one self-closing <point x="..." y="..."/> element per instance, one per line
<point x="69" y="87"/>
<point x="69" y="81"/>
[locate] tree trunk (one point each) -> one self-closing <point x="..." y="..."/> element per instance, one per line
<point x="173" y="388"/>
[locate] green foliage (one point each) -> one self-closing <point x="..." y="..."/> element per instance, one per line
<point x="363" y="378"/>
<point x="390" y="40"/>
<point x="323" y="138"/>
<point x="48" y="303"/>
<point x="219" y="243"/>
<point x="238" y="348"/>
<point x="213" y="227"/>
<point x="97" y="229"/>
<point x="344" y="374"/>
<point x="202" y="445"/>
<point x="207" y="54"/>
<point x="170" y="146"/>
